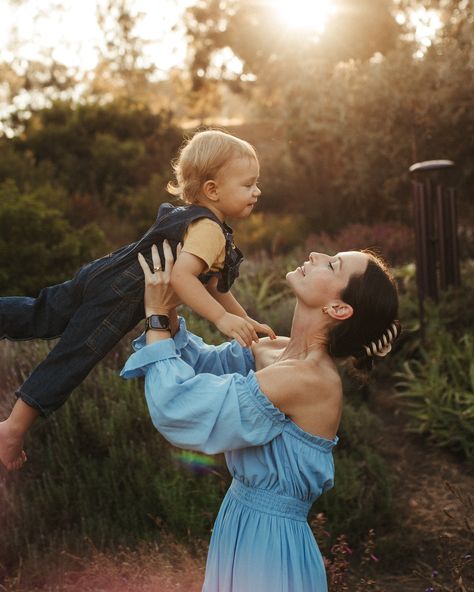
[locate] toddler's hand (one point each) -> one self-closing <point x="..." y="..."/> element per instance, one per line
<point x="262" y="328"/>
<point x="238" y="328"/>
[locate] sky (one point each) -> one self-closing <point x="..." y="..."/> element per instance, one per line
<point x="69" y="28"/>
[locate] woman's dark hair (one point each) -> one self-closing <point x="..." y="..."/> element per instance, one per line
<point x="374" y="299"/>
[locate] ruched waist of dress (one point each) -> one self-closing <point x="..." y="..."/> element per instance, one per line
<point x="267" y="501"/>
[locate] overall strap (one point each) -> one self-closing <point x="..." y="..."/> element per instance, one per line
<point x="172" y="222"/>
<point x="189" y="213"/>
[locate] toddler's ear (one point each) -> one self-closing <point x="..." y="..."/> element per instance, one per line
<point x="210" y="190"/>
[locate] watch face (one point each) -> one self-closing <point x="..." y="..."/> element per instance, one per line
<point x="158" y="322"/>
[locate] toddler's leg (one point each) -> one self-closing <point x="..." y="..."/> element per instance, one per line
<point x="89" y="335"/>
<point x="12" y="434"/>
<point x="43" y="317"/>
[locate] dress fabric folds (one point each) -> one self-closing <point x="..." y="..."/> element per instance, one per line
<point x="208" y="398"/>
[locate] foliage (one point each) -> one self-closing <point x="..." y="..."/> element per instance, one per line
<point x="38" y="247"/>
<point x="105" y="151"/>
<point x="340" y="562"/>
<point x="275" y="233"/>
<point x="438" y="392"/>
<point x="355" y="134"/>
<point x="453" y="313"/>
<point x="254" y="32"/>
<point x="80" y="180"/>
<point x="392" y="240"/>
<point x="435" y="371"/>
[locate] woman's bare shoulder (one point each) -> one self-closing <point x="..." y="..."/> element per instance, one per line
<point x="267" y="350"/>
<point x="311" y="395"/>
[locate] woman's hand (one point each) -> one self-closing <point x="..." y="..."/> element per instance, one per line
<point x="159" y="295"/>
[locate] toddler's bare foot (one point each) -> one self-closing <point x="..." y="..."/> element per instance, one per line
<point x="12" y="455"/>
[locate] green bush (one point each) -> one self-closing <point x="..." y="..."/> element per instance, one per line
<point x="38" y="246"/>
<point x="435" y="371"/>
<point x="438" y="392"/>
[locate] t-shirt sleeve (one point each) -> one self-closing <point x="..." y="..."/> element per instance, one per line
<point x="205" y="239"/>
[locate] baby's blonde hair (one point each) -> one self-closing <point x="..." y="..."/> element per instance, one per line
<point x="201" y="158"/>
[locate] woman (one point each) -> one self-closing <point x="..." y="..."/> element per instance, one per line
<point x="274" y="411"/>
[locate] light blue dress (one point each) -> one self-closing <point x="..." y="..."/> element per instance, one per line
<point x="207" y="398"/>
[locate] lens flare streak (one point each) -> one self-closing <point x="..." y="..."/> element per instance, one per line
<point x="195" y="461"/>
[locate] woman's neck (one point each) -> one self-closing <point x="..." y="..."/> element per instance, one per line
<point x="308" y="336"/>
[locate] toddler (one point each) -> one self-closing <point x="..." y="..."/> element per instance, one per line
<point x="216" y="178"/>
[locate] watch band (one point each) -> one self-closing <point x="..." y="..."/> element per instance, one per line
<point x="157" y="322"/>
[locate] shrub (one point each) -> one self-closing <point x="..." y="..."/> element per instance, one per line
<point x="38" y="247"/>
<point x="438" y="392"/>
<point x="274" y="233"/>
<point x="394" y="241"/>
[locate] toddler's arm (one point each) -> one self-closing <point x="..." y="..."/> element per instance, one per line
<point x="230" y="303"/>
<point x="185" y="282"/>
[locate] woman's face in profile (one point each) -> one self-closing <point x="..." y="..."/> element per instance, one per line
<point x="323" y="277"/>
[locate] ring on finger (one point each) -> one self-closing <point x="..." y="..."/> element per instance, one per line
<point x="157" y="269"/>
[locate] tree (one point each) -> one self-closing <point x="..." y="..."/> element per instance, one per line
<point x="353" y="135"/>
<point x="122" y="71"/>
<point x="270" y="50"/>
<point x="104" y="151"/>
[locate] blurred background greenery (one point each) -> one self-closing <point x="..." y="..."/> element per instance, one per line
<point x="338" y="103"/>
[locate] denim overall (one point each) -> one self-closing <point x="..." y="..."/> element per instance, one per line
<point x="95" y="309"/>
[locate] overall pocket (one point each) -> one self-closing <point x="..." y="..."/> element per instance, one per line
<point x="112" y="328"/>
<point x="129" y="284"/>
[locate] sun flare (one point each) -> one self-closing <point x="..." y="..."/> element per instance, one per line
<point x="305" y="14"/>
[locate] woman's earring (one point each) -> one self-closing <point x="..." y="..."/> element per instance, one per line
<point x="325" y="309"/>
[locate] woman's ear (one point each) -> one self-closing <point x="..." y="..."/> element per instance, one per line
<point x="210" y="190"/>
<point x="339" y="310"/>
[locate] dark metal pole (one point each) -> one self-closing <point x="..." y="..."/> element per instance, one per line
<point x="437" y="260"/>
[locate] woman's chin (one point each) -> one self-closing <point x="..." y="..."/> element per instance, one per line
<point x="290" y="278"/>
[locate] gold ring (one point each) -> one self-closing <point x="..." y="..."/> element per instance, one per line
<point x="157" y="269"/>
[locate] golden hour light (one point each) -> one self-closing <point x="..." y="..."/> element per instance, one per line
<point x="305" y="14"/>
<point x="424" y="25"/>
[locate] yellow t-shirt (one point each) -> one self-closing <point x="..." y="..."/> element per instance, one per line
<point x="204" y="239"/>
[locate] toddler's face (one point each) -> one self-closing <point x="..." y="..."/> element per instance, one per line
<point x="236" y="187"/>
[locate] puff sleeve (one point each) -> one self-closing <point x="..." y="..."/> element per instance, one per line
<point x="206" y="412"/>
<point x="225" y="358"/>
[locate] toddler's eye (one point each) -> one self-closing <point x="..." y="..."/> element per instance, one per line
<point x="331" y="266"/>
